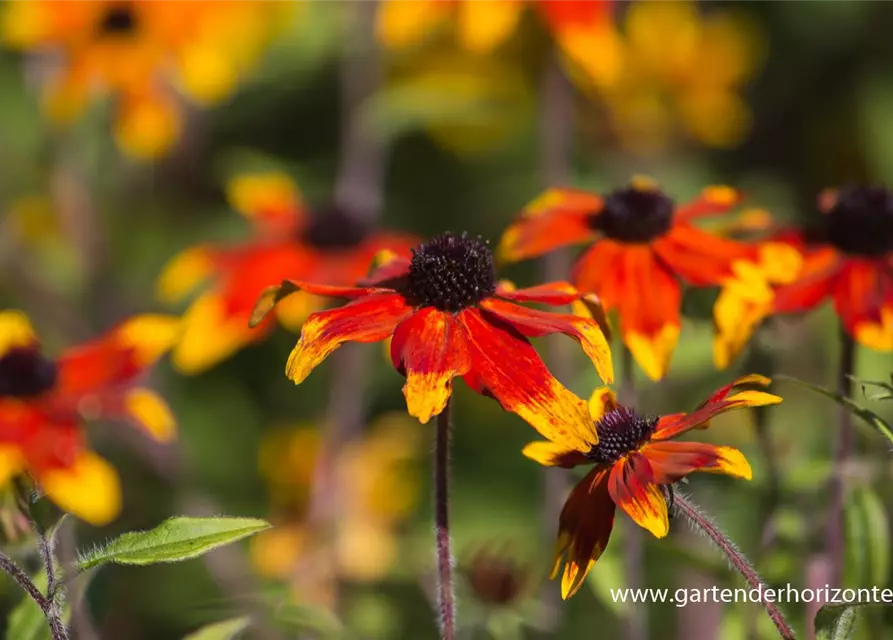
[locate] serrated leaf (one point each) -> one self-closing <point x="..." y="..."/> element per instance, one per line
<point x="175" y="539"/>
<point x="225" y="630"/>
<point x="870" y="417"/>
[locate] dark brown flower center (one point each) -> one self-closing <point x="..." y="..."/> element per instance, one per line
<point x="119" y="19"/>
<point x="451" y="272"/>
<point x="25" y="373"/>
<point x="333" y="228"/>
<point x="620" y="432"/>
<point x="861" y="221"/>
<point x="635" y="214"/>
<point x="496" y="579"/>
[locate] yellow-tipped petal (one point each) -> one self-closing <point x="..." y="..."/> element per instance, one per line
<point x="403" y="23"/>
<point x="720" y="195"/>
<point x="573" y="577"/>
<point x="257" y="194"/>
<point x="184" y="273"/>
<point x="206" y="73"/>
<point x="485" y="24"/>
<point x="602" y="401"/>
<point x="146" y="127"/>
<point x="15" y="331"/>
<point x="877" y="335"/>
<point x="550" y="454"/>
<point x="292" y="311"/>
<point x="208" y="337"/>
<point x="151" y="413"/>
<point x="89" y="489"/>
<point x="754" y="399"/>
<point x="152" y="335"/>
<point x="653" y="353"/>
<point x="11" y="463"/>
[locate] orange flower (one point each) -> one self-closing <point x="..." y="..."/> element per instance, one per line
<point x="287" y="240"/>
<point x="852" y="264"/>
<point x="483" y="25"/>
<point x="448" y="317"/>
<point x="633" y="458"/>
<point x="641" y="246"/>
<point x="43" y="401"/>
<point x="140" y="52"/>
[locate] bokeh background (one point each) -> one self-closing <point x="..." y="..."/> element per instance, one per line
<point x="780" y="99"/>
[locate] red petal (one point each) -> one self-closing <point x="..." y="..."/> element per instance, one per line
<point x="713" y="200"/>
<point x="700" y="258"/>
<point x="552" y="293"/>
<point x="632" y="487"/>
<point x="429" y="348"/>
<point x="369" y="319"/>
<point x="861" y="290"/>
<point x="506" y="366"/>
<point x="672" y="461"/>
<point x="535" y="323"/>
<point x="813" y="285"/>
<point x="96" y="367"/>
<point x="584" y="529"/>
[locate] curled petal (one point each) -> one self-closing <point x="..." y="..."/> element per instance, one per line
<point x="88" y="488"/>
<point x="672" y="461"/>
<point x="584" y="529"/>
<point x="671" y="426"/>
<point x="429" y="347"/>
<point x="272" y="295"/>
<point x="557" y="218"/>
<point x="15" y="331"/>
<point x="506" y="366"/>
<point x="550" y="454"/>
<point x="535" y="323"/>
<point x="368" y="319"/>
<point x="632" y="487"/>
<point x="602" y="401"/>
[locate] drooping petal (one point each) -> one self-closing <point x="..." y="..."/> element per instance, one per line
<point x="584" y="529"/>
<point x="670" y="426"/>
<point x="15" y="331"/>
<point x="429" y="347"/>
<point x="368" y="319"/>
<point x="700" y="258"/>
<point x="602" y="401"/>
<point x="556" y="218"/>
<point x="88" y="489"/>
<point x="632" y="487"/>
<point x="550" y="454"/>
<point x="150" y="412"/>
<point x="505" y="365"/>
<point x="862" y="290"/>
<point x="535" y="323"/>
<point x="672" y="461"/>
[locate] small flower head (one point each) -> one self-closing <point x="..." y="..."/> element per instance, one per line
<point x="497" y="578"/>
<point x="447" y="317"/>
<point x="633" y="458"/>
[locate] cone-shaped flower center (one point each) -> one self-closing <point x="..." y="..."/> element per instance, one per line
<point x="25" y="373"/>
<point x="451" y="272"/>
<point x="333" y="228"/>
<point x="635" y="214"/>
<point x="861" y="221"/>
<point x="119" y="19"/>
<point x="620" y="432"/>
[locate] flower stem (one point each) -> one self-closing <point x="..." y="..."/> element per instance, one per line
<point x="445" y="597"/>
<point x="834" y="541"/>
<point x="635" y="622"/>
<point x="741" y="564"/>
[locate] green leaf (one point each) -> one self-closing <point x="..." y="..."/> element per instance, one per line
<point x="838" y="621"/>
<point x="870" y="417"/>
<point x="868" y="533"/>
<point x="885" y="394"/>
<point x="175" y="539"/>
<point x="225" y="630"/>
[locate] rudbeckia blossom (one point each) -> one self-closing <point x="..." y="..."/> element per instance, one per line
<point x="482" y="25"/>
<point x="141" y="53"/>
<point x="633" y="456"/>
<point x="43" y="402"/>
<point x="642" y="247"/>
<point x="448" y="316"/>
<point x="850" y="262"/>
<point x="286" y="240"/>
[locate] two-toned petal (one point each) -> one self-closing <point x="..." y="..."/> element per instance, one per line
<point x="15" y="331"/>
<point x="550" y="454"/>
<point x="632" y="486"/>
<point x="506" y="366"/>
<point x="672" y="461"/>
<point x="88" y="488"/>
<point x="368" y="319"/>
<point x="430" y="349"/>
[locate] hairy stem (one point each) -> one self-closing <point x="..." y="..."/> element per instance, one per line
<point x="446" y="598"/>
<point x="705" y="525"/>
<point x="834" y="541"/>
<point x="635" y="622"/>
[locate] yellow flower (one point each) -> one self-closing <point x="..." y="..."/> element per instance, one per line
<point x="678" y="69"/>
<point x="141" y="53"/>
<point x="376" y="490"/>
